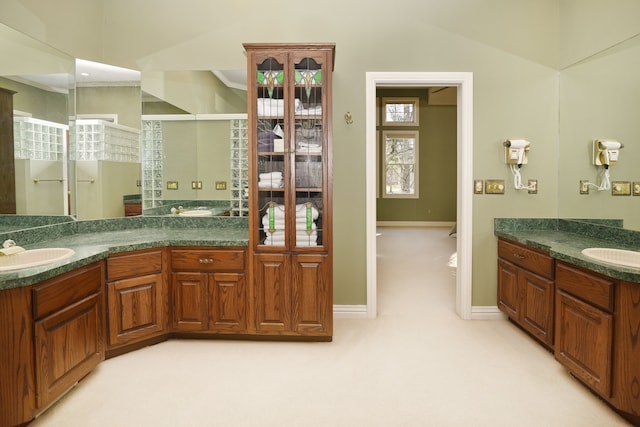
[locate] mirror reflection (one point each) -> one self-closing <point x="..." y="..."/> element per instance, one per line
<point x="599" y="98"/>
<point x="105" y="140"/>
<point x="194" y="143"/>
<point x="36" y="87"/>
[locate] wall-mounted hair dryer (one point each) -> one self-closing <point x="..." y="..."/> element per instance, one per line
<point x="516" y="154"/>
<point x="516" y="151"/>
<point x="606" y="152"/>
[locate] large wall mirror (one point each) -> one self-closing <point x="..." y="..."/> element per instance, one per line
<point x="43" y="81"/>
<point x="600" y="99"/>
<point x="105" y="140"/>
<point x="194" y="141"/>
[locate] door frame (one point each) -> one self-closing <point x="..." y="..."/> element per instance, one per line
<point x="463" y="81"/>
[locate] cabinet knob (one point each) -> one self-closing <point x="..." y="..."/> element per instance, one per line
<point x="519" y="256"/>
<point x="205" y="260"/>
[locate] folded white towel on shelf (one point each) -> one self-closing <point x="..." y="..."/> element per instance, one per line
<point x="300" y="235"/>
<point x="317" y="110"/>
<point x="304" y="147"/>
<point x="301" y="211"/>
<point x="278" y="224"/>
<point x="274" y="107"/>
<point x="302" y="239"/>
<point x="270" y="184"/>
<point x="270" y="175"/>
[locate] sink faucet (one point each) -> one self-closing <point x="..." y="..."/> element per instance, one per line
<point x="8" y="243"/>
<point x="177" y="211"/>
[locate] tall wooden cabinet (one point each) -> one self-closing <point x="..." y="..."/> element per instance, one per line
<point x="290" y="188"/>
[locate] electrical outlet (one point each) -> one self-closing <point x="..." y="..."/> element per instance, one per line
<point x="533" y="186"/>
<point x="494" y="186"/>
<point x="477" y="186"/>
<point x="636" y="188"/>
<point x="584" y="187"/>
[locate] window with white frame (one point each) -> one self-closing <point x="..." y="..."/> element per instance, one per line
<point x="400" y="111"/>
<point x="400" y="163"/>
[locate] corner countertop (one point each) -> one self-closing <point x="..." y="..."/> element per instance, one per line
<point x="96" y="240"/>
<point x="565" y="239"/>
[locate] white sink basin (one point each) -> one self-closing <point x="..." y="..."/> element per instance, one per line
<point x="34" y="258"/>
<point x="196" y="213"/>
<point x="614" y="256"/>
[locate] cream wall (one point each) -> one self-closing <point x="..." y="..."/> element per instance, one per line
<point x="513" y="48"/>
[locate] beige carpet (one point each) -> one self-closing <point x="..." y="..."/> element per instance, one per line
<point x="417" y="364"/>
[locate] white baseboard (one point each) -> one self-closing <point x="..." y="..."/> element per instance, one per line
<point x="487" y="312"/>
<point x="349" y="311"/>
<point x="360" y="312"/>
<point x="433" y="224"/>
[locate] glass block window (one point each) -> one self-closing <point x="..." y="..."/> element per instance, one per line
<point x="400" y="164"/>
<point x="239" y="167"/>
<point x="400" y="111"/>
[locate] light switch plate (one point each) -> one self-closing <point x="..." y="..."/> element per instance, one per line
<point x="621" y="188"/>
<point x="221" y="185"/>
<point x="636" y="188"/>
<point x="494" y="186"/>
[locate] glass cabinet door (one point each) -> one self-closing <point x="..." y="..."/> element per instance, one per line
<point x="308" y="147"/>
<point x="290" y="147"/>
<point x="272" y="161"/>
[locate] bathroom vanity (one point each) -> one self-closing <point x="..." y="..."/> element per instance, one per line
<point x="132" y="282"/>
<point x="587" y="313"/>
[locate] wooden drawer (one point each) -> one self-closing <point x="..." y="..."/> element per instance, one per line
<point x="133" y="264"/>
<point x="64" y="290"/>
<point x="586" y="285"/>
<point x="530" y="259"/>
<point x="207" y="260"/>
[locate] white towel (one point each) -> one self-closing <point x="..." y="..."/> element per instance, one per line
<point x="304" y="147"/>
<point x="302" y="239"/>
<point x="317" y="110"/>
<point x="275" y="107"/>
<point x="278" y="224"/>
<point x="270" y="175"/>
<point x="270" y="184"/>
<point x="301" y="211"/>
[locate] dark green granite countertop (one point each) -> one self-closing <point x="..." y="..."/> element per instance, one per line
<point x="96" y="240"/>
<point x="565" y="239"/>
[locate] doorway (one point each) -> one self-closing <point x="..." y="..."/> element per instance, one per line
<point x="464" y="211"/>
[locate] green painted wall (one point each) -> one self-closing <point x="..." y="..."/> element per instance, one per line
<point x="42" y="104"/>
<point x="437" y="185"/>
<point x="516" y="70"/>
<point x="122" y="100"/>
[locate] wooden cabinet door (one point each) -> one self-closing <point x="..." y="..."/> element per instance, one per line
<point x="272" y="287"/>
<point x="311" y="295"/>
<point x="68" y="345"/>
<point x="190" y="311"/>
<point x="536" y="311"/>
<point x="136" y="308"/>
<point x="227" y="302"/>
<point x="508" y="289"/>
<point x="584" y="341"/>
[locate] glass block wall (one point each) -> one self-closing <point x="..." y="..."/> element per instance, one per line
<point x="151" y="163"/>
<point x="38" y="139"/>
<point x="102" y="140"/>
<point x="239" y="167"/>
